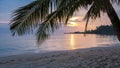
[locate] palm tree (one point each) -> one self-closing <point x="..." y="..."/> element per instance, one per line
<point x="46" y="16"/>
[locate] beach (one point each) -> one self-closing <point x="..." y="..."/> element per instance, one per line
<point x="60" y="34"/>
<point x="97" y="57"/>
<point x="67" y="51"/>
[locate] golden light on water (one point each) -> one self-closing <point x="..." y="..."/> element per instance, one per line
<point x="72" y="42"/>
<point x="77" y="41"/>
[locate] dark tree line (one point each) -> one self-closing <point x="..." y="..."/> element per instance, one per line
<point x="106" y="30"/>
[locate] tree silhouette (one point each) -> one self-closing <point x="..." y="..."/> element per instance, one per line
<point x="104" y="29"/>
<point x="47" y="15"/>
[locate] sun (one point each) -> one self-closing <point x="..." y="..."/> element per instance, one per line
<point x="72" y="24"/>
<point x="73" y="21"/>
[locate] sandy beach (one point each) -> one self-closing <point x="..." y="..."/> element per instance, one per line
<point x="99" y="57"/>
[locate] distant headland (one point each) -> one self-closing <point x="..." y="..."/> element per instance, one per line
<point x="102" y="30"/>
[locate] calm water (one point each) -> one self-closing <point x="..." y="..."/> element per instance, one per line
<point x="27" y="44"/>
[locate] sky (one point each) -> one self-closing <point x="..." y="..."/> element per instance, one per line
<point x="8" y="6"/>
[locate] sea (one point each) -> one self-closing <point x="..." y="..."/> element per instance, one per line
<point x="14" y="45"/>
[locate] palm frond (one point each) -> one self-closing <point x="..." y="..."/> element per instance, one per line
<point x="95" y="10"/>
<point x="115" y="1"/>
<point x="92" y="13"/>
<point x="29" y="17"/>
<point x="58" y="17"/>
<point x="47" y="15"/>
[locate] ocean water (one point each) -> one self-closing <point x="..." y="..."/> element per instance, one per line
<point x="10" y="45"/>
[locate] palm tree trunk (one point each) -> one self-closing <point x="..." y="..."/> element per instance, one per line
<point x="114" y="20"/>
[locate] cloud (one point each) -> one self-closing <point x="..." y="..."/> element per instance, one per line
<point x="76" y="19"/>
<point x="4" y="21"/>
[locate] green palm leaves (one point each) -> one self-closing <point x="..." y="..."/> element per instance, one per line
<point x="47" y="15"/>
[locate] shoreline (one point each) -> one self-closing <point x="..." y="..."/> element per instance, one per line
<point x="67" y="59"/>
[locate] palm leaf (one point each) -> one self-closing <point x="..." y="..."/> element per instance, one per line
<point x="47" y="15"/>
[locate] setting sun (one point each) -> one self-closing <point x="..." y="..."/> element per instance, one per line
<point x="72" y="24"/>
<point x="59" y="33"/>
<point x="73" y="21"/>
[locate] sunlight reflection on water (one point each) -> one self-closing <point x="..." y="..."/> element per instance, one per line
<point x="24" y="44"/>
<point x="77" y="41"/>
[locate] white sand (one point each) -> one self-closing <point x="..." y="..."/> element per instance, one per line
<point x="100" y="57"/>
